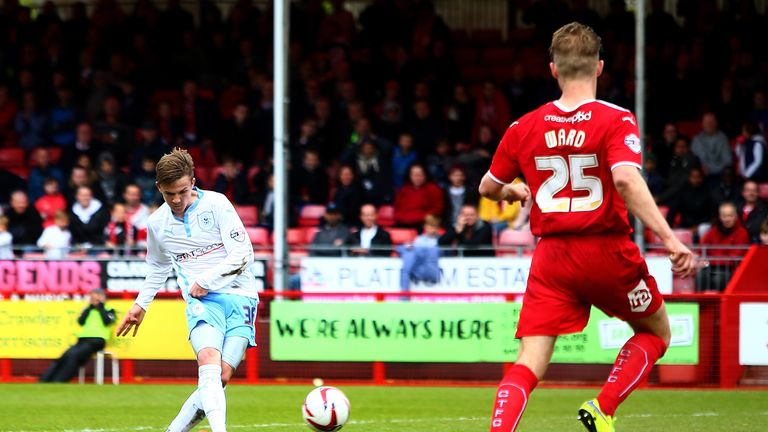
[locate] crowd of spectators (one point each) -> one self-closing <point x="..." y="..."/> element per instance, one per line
<point x="389" y="108"/>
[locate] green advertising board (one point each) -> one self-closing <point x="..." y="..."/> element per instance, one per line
<point x="449" y="332"/>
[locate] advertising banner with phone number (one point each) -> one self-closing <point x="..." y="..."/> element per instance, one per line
<point x="450" y="332"/>
<point x="44" y="330"/>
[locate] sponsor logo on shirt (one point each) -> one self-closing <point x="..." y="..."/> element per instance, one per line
<point x="205" y="220"/>
<point x="633" y="142"/>
<point x="640" y="298"/>
<point x="579" y="117"/>
<point x="197" y="253"/>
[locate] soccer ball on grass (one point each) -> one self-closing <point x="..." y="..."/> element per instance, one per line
<point x="325" y="409"/>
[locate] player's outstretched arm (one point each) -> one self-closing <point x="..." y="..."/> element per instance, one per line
<point x="639" y="200"/>
<point x="510" y="192"/>
<point x="132" y="320"/>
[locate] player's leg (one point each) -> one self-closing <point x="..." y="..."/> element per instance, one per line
<point x="192" y="413"/>
<point x="639" y="303"/>
<point x="206" y="321"/>
<point x="209" y="386"/>
<point x="635" y="359"/>
<point x="520" y="380"/>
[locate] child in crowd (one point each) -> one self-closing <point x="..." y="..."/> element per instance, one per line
<point x="51" y="202"/>
<point x="6" y="239"/>
<point x="120" y="235"/>
<point x="420" y="259"/>
<point x="56" y="239"/>
<point x="145" y="179"/>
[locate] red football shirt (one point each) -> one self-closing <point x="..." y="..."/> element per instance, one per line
<point x="566" y="157"/>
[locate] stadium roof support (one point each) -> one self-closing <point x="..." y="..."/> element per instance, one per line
<point x="280" y="148"/>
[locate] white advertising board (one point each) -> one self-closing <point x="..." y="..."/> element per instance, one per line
<point x="507" y="275"/>
<point x="753" y="334"/>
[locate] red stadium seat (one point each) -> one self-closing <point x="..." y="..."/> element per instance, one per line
<point x="310" y="215"/>
<point x="486" y="36"/>
<point x="681" y="285"/>
<point x="252" y="173"/>
<point x="465" y="55"/>
<point x="689" y="128"/>
<point x="762" y="191"/>
<point x="684" y="235"/>
<point x="386" y="215"/>
<point x="295" y="236"/>
<point x="249" y="214"/>
<point x="402" y="235"/>
<point x="203" y="177"/>
<point x="497" y="56"/>
<point x="510" y="237"/>
<point x="11" y="157"/>
<point x="20" y="171"/>
<point x="309" y="234"/>
<point x="259" y="235"/>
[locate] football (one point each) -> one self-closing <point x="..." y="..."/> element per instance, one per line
<point x="325" y="409"/>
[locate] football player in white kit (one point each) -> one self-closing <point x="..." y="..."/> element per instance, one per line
<point x="199" y="234"/>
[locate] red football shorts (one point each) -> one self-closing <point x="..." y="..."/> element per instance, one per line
<point x="571" y="273"/>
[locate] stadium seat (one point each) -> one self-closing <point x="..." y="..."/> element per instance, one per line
<point x="20" y="171"/>
<point x="386" y="215"/>
<point x="762" y="190"/>
<point x="259" y="235"/>
<point x="689" y="128"/>
<point x="252" y="173"/>
<point x="11" y="157"/>
<point x="310" y="215"/>
<point x="295" y="236"/>
<point x="498" y="56"/>
<point x="309" y="234"/>
<point x="510" y="237"/>
<point x="486" y="36"/>
<point x="402" y="235"/>
<point x="465" y="55"/>
<point x="98" y="369"/>
<point x="203" y="177"/>
<point x="684" y="235"/>
<point x="681" y="285"/>
<point x="249" y="214"/>
<point x="202" y="157"/>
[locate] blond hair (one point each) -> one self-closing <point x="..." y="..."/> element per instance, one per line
<point x="575" y="50"/>
<point x="173" y="166"/>
<point x="432" y="220"/>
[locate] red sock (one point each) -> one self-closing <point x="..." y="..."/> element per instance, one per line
<point x="512" y="397"/>
<point x="633" y="364"/>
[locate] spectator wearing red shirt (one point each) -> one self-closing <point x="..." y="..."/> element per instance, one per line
<point x="418" y="197"/>
<point x="51" y="202"/>
<point x="727" y="232"/>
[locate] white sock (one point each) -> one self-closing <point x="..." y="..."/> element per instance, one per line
<point x="189" y="416"/>
<point x="211" y="395"/>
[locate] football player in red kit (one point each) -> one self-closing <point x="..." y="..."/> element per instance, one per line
<point x="580" y="158"/>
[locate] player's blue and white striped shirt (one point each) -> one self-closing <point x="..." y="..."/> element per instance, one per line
<point x="209" y="245"/>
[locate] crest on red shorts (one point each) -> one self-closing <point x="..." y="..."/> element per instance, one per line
<point x="640" y="298"/>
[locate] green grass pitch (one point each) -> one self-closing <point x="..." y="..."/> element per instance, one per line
<point x="149" y="407"/>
